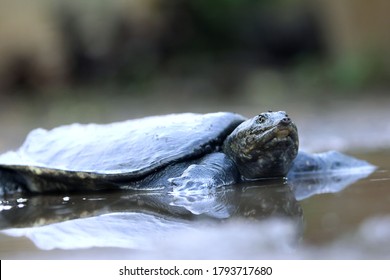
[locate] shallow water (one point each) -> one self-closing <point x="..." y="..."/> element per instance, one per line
<point x="264" y="220"/>
<point x="341" y="216"/>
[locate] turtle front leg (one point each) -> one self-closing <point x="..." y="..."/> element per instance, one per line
<point x="211" y="171"/>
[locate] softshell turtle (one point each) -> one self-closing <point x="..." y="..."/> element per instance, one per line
<point x="187" y="151"/>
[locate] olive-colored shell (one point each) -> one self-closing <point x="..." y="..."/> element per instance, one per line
<point x="129" y="149"/>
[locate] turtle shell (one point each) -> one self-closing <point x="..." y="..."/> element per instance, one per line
<point x="129" y="149"/>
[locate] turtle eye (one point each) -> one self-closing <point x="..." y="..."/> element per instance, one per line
<point x="260" y="119"/>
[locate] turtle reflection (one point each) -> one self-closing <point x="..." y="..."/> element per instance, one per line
<point x="138" y="220"/>
<point x="53" y="221"/>
<point x="256" y="201"/>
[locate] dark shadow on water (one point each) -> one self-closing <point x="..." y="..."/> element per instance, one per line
<point x="137" y="219"/>
<point x="256" y="201"/>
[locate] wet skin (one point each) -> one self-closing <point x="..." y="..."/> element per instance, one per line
<point x="263" y="146"/>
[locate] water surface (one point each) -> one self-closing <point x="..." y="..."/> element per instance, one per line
<point x="332" y="218"/>
<point x="336" y="216"/>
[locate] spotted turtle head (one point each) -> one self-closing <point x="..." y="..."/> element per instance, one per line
<point x="263" y="146"/>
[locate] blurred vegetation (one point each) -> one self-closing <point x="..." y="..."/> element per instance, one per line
<point x="232" y="46"/>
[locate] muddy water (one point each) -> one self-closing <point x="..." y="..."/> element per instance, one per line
<point x="341" y="217"/>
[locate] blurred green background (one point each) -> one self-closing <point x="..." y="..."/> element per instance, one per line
<point x="46" y="44"/>
<point x="65" y="60"/>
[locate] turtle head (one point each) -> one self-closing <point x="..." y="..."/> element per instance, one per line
<point x="263" y="146"/>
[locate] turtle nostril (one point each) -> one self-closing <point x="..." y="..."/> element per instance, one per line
<point x="285" y="121"/>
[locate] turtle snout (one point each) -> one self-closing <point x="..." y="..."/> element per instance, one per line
<point x="285" y="121"/>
